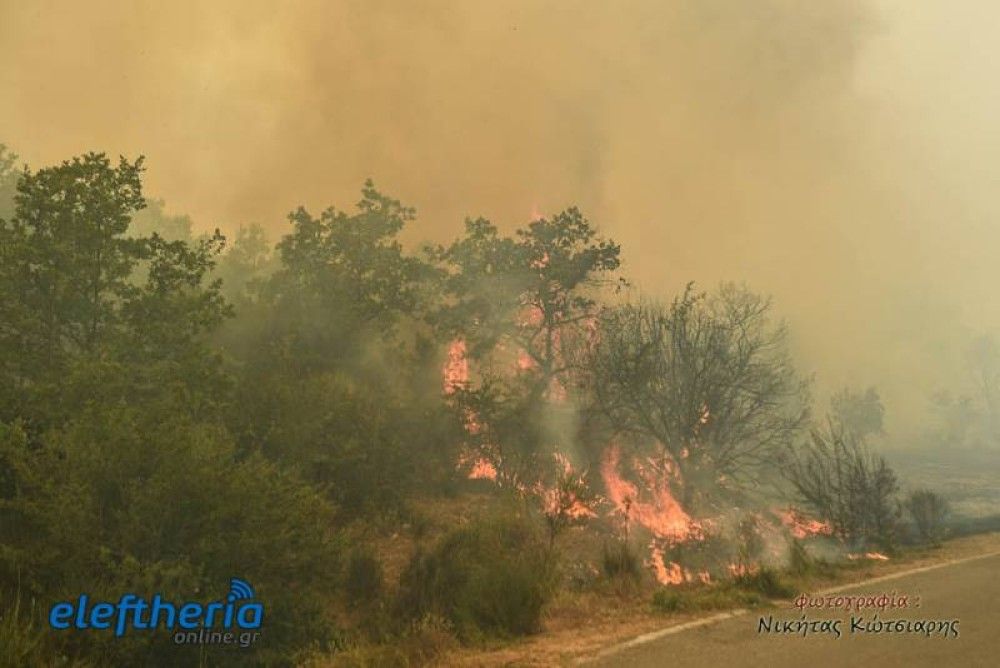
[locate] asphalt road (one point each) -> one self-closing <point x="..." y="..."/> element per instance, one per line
<point x="968" y="591"/>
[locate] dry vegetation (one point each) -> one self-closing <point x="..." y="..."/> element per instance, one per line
<point x="591" y="611"/>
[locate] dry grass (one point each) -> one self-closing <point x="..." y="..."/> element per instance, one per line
<point x="582" y="624"/>
<point x="592" y="612"/>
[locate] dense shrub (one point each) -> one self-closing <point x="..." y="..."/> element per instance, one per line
<point x="491" y="577"/>
<point x="929" y="512"/>
<point x="620" y="559"/>
<point x="116" y="503"/>
<point x="363" y="579"/>
<point x="22" y="640"/>
<point x="695" y="597"/>
<point x="765" y="581"/>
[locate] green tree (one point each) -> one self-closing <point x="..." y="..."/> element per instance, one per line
<point x="861" y="412"/>
<point x="929" y="512"/>
<point x="112" y="444"/>
<point x="8" y="182"/>
<point x="334" y="364"/>
<point x="843" y="483"/>
<point x="343" y="280"/>
<point x="153" y="219"/>
<point x="79" y="291"/>
<point x="532" y="295"/>
<point x="535" y="291"/>
<point x="246" y="264"/>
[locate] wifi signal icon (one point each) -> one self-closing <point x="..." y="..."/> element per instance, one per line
<point x="239" y="589"/>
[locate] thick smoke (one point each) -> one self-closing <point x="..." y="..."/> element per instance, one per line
<point x="838" y="155"/>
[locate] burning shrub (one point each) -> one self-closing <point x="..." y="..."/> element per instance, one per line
<point x="929" y="512"/>
<point x="491" y="577"/>
<point x="708" y="379"/>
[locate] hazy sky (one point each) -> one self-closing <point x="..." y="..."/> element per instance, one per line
<point x="840" y="155"/>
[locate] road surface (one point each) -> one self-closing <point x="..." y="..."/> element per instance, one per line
<point x="968" y="591"/>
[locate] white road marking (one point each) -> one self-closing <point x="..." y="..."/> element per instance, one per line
<point x="723" y="616"/>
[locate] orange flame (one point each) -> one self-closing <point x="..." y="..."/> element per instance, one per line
<point x="667" y="575"/>
<point x="524" y="361"/>
<point x="456" y="369"/>
<point x="483" y="469"/>
<point x="664" y="516"/>
<point x="738" y="570"/>
<point x="801" y="526"/>
<point x="562" y="500"/>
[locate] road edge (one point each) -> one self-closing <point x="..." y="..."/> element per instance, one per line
<point x="730" y="614"/>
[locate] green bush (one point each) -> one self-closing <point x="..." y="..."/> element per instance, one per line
<point x="492" y="577"/>
<point x="22" y="642"/>
<point x="696" y="597"/>
<point x="422" y="643"/>
<point x="765" y="581"/>
<point x="929" y="512"/>
<point x="363" y="580"/>
<point x="620" y="559"/>
<point x="117" y="503"/>
<point x="799" y="560"/>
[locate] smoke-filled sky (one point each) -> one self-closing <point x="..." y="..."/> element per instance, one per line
<point x="839" y="155"/>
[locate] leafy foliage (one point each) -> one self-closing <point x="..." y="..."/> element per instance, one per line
<point x="493" y="576"/>
<point x="929" y="512"/>
<point x="861" y="412"/>
<point x="116" y="473"/>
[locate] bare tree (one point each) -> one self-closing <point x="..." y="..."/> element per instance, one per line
<point x="838" y="478"/>
<point x="708" y="377"/>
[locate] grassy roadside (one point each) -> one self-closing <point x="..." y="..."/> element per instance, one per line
<point x="580" y="624"/>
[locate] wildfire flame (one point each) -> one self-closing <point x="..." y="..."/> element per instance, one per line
<point x="456" y="369"/>
<point x="740" y="570"/>
<point x="478" y="464"/>
<point x="483" y="469"/>
<point x="801" y="526"/>
<point x="663" y="517"/>
<point x="562" y="500"/>
<point x="671" y="574"/>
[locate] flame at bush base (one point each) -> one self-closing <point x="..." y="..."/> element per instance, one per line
<point x="663" y="516"/>
<point x="874" y="556"/>
<point x="455" y="374"/>
<point x="801" y="526"/>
